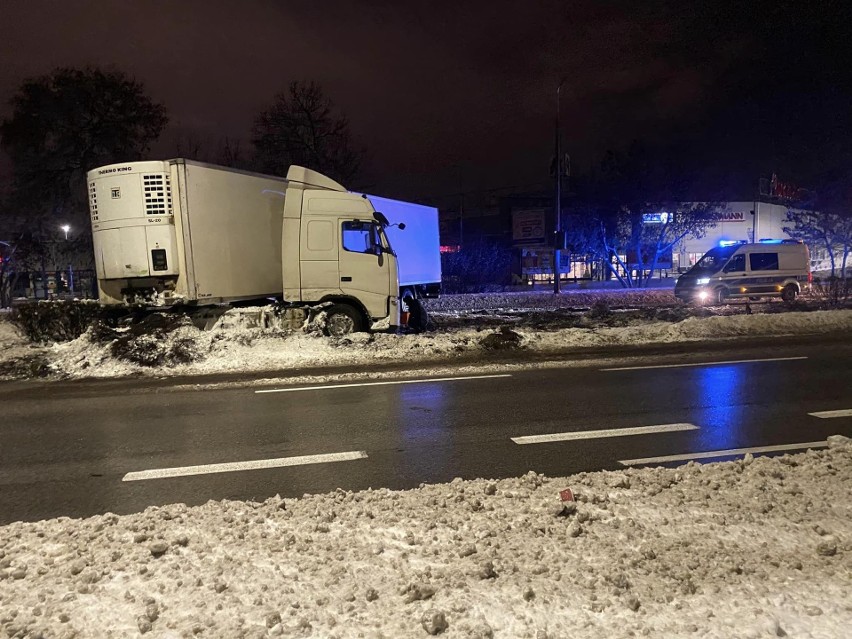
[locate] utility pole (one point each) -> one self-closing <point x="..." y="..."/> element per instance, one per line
<point x="557" y="253"/>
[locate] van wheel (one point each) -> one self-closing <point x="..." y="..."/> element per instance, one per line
<point x="789" y="293"/>
<point x="342" y="319"/>
<point x="721" y="295"/>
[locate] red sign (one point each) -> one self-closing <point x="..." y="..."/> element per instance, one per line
<point x="785" y="191"/>
<point x="566" y="495"/>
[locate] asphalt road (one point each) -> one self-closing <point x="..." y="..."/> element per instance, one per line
<point x="66" y="448"/>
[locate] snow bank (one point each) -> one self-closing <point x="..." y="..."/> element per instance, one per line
<point x="547" y="300"/>
<point x="10" y="336"/>
<point x="15" y="349"/>
<point x="752" y="548"/>
<point x="236" y="348"/>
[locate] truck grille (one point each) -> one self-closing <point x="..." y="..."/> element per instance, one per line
<point x="158" y="194"/>
<point x="93" y="202"/>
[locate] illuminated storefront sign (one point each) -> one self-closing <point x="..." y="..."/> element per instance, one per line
<point x="528" y="226"/>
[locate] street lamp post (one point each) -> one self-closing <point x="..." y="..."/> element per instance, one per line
<point x="557" y="253"/>
<point x="65" y="228"/>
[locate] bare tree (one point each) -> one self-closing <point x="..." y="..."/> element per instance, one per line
<point x="62" y="125"/>
<point x="640" y="214"/>
<point x="825" y="229"/>
<point x="302" y="128"/>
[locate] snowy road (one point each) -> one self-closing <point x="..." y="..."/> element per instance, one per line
<point x="86" y="448"/>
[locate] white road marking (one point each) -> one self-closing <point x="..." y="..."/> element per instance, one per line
<point x="720" y="453"/>
<point x="825" y="414"/>
<point x="230" y="467"/>
<point x="733" y="361"/>
<point x="595" y="434"/>
<point x="389" y="383"/>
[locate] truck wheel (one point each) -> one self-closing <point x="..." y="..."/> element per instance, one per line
<point x="342" y="319"/>
<point x="418" y="319"/>
<point x="721" y="295"/>
<point x="789" y="293"/>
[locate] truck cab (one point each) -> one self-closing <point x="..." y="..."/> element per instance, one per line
<point x="344" y="257"/>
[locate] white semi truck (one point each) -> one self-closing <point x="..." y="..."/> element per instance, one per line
<point x="179" y="232"/>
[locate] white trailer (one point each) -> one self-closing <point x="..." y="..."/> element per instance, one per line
<point x="418" y="246"/>
<point x="182" y="232"/>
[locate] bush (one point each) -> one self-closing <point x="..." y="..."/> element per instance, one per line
<point x="150" y="342"/>
<point x="599" y="310"/>
<point x="834" y="290"/>
<point x="503" y="339"/>
<point x="55" y="321"/>
<point x="478" y="267"/>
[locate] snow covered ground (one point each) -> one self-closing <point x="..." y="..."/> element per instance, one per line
<point x="237" y="344"/>
<point x="751" y="548"/>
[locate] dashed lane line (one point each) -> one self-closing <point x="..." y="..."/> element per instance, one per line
<point x="387" y="383"/>
<point x="230" y="467"/>
<point x="733" y="361"/>
<point x="827" y="414"/>
<point x="596" y="434"/>
<point x="733" y="452"/>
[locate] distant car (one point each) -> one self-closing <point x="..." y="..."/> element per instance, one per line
<point x="779" y="268"/>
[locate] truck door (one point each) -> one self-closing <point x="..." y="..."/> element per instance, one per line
<point x="368" y="268"/>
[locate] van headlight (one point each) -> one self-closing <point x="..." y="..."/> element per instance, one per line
<point x="701" y="281"/>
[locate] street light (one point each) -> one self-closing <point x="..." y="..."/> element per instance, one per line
<point x="557" y="253"/>
<point x="65" y="228"/>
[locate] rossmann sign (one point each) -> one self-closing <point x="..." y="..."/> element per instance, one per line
<point x="730" y="216"/>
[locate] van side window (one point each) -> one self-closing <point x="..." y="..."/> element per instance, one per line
<point x="763" y="261"/>
<point x="358" y="237"/>
<point x="736" y="264"/>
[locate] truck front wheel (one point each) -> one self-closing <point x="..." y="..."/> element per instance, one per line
<point x="342" y="319"/>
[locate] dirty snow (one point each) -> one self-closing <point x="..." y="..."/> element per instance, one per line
<point x="751" y="548"/>
<point x="241" y="349"/>
<point x="10" y="336"/>
<point x="244" y="340"/>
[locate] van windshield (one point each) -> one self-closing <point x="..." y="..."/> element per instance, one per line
<point x="714" y="259"/>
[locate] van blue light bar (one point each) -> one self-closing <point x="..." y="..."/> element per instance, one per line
<point x="731" y="242"/>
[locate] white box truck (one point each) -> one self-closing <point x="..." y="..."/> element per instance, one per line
<point x="418" y="246"/>
<point x="179" y="232"/>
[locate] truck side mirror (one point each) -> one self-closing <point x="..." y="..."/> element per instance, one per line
<point x="401" y="226"/>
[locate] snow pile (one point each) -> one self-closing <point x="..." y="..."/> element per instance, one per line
<point x="752" y="548"/>
<point x="547" y="300"/>
<point x="240" y="348"/>
<point x="18" y="358"/>
<point x="10" y="336"/>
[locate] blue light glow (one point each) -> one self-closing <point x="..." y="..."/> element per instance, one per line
<point x="719" y="389"/>
<point x="731" y="242"/>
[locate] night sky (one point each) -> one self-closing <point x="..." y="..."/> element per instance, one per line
<point x="446" y="96"/>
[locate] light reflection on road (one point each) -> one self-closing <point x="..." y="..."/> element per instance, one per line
<point x="719" y="391"/>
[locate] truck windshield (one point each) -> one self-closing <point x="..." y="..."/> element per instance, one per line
<point x="714" y="259"/>
<point x="383" y="238"/>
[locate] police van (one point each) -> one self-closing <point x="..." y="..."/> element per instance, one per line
<point x="737" y="269"/>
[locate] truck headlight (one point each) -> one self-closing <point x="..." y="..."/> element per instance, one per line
<point x="701" y="281"/>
